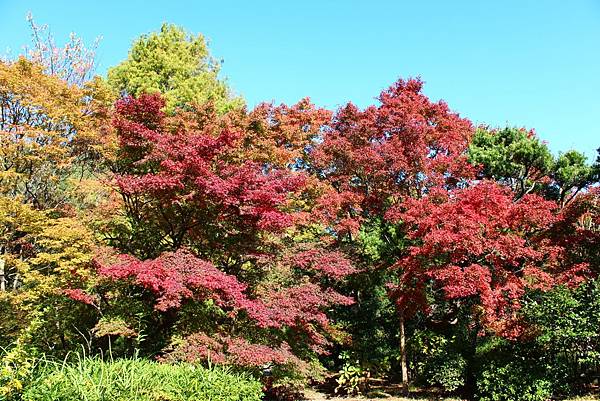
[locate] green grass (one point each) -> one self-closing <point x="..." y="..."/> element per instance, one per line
<point x="92" y="379"/>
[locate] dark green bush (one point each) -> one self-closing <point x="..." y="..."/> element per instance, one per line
<point x="449" y="373"/>
<point x="566" y="321"/>
<point x="439" y="362"/>
<point x="512" y="380"/>
<point x="92" y="379"/>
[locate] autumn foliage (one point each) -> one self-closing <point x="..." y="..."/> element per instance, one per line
<point x="144" y="219"/>
<point x="400" y="148"/>
<point x="477" y="242"/>
<point x="205" y="223"/>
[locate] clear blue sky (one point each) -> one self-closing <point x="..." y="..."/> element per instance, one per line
<point x="520" y="62"/>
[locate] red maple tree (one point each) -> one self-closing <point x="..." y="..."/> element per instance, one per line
<point x="479" y="243"/>
<point x="400" y="148"/>
<point x="207" y="221"/>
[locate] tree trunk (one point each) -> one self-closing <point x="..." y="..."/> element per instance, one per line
<point x="470" y="357"/>
<point x="403" y="358"/>
<point x="2" y="275"/>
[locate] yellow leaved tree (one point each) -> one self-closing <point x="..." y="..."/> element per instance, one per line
<point x="43" y="257"/>
<point x="49" y="132"/>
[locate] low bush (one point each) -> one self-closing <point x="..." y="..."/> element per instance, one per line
<point x="93" y="379"/>
<point x="512" y="380"/>
<point x="439" y="362"/>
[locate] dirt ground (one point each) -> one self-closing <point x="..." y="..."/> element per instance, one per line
<point x="389" y="391"/>
<point x="392" y="395"/>
<point x="378" y="390"/>
<point x="312" y="395"/>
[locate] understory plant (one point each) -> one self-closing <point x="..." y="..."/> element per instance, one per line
<point x="94" y="379"/>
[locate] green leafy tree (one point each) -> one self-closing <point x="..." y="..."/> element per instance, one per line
<point x="571" y="174"/>
<point x="176" y="64"/>
<point x="567" y="322"/>
<point x="519" y="159"/>
<point x="512" y="156"/>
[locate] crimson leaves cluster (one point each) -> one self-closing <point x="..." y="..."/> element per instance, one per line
<point x="258" y="214"/>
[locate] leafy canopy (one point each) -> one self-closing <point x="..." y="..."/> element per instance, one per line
<point x="176" y="64"/>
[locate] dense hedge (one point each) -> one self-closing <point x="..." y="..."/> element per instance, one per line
<point x="92" y="379"/>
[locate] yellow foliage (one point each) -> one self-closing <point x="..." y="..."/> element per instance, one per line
<point x="113" y="327"/>
<point x="42" y="256"/>
<point x="47" y="127"/>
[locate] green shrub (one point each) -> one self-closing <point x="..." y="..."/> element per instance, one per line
<point x="450" y="372"/>
<point x="93" y="379"/>
<point x="512" y="381"/>
<point x="439" y="361"/>
<point x="351" y="380"/>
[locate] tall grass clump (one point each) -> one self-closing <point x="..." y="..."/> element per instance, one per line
<point x="94" y="379"/>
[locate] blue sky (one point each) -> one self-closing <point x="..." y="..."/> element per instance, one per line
<point x="520" y="62"/>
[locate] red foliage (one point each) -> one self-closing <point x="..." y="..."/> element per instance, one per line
<point x="280" y="135"/>
<point x="173" y="277"/>
<point x="332" y="264"/>
<point x="207" y="193"/>
<point x="402" y="147"/>
<point x="479" y="242"/>
<point x="578" y="230"/>
<point x="212" y="197"/>
<point x="296" y="306"/>
<point x="184" y="174"/>
<point x="224" y="349"/>
<point x="79" y="295"/>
